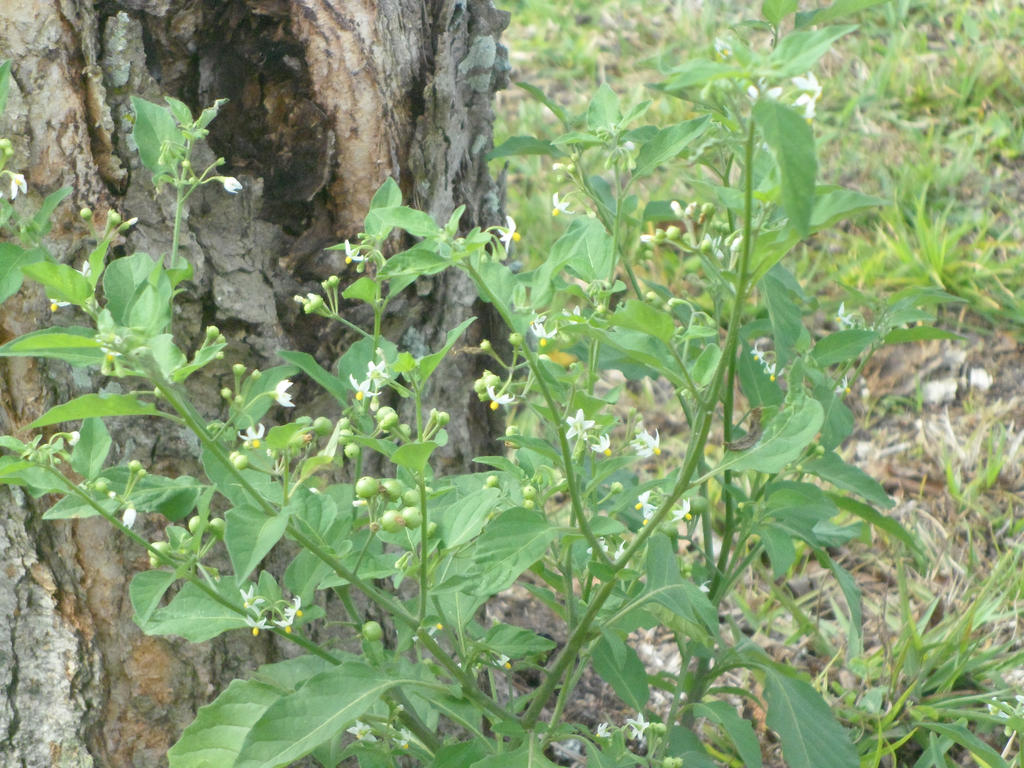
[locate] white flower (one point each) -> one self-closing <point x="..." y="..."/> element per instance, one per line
<point x="645" y="444"/>
<point x="362" y="388"/>
<point x="705" y="587"/>
<point x="537" y="329"/>
<point x="293" y="610"/>
<point x="249" y="599"/>
<point x="86" y="269"/>
<point x="559" y="206"/>
<point x="503" y="661"/>
<point x="231" y="184"/>
<point x="18" y="184"/>
<point x="281" y="393"/>
<point x="844" y="318"/>
<point x="757" y="354"/>
<point x="637" y="726"/>
<point x="578" y="425"/>
<point x="620" y="550"/>
<point x="404" y="737"/>
<point x="756" y="90"/>
<point x="683" y="513"/>
<point x="645" y="506"/>
<point x="362" y="731"/>
<point x="603" y="544"/>
<point x="257" y="623"/>
<point x="602" y="731"/>
<point x="722" y="48"/>
<point x="603" y="445"/>
<point x="843" y="387"/>
<point x="351" y="254"/>
<point x="55" y="305"/>
<point x="808" y="103"/>
<point x="770" y="369"/>
<point x="378" y="372"/>
<point x="128" y="518"/>
<point x="808" y="84"/>
<point x="509" y="234"/>
<point x="498" y="399"/>
<point x="74" y="437"/>
<point x="252" y="436"/>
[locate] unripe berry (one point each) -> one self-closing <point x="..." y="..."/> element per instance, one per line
<point x="367" y="487"/>
<point x="387" y="418"/>
<point x="193" y="524"/>
<point x="391" y="521"/>
<point x="516" y="339"/>
<point x="411" y="497"/>
<point x="351" y="451"/>
<point x="322" y="426"/>
<point x="134" y="466"/>
<point x="373" y="632"/>
<point x="412" y="516"/>
<point x="393" y="488"/>
<point x="217" y="526"/>
<point x="239" y="460"/>
<point x="491" y="481"/>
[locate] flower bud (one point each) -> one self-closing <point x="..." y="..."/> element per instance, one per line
<point x="387" y="418"/>
<point x="134" y="466"/>
<point x="212" y="332"/>
<point x="226" y="393"/>
<point x="516" y="339"/>
<point x="485" y="346"/>
<point x="85" y="214"/>
<point x="114" y="219"/>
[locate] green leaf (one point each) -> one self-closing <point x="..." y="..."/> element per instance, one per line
<point x="736" y="728"/>
<point x="585" y="250"/>
<point x="95" y="405"/>
<point x="668" y="143"/>
<point x="92" y="448"/>
<point x="5" y="83"/>
<point x="295" y="725"/>
<point x="620" y="667"/>
<point x="462" y="520"/>
<point x="837" y="10"/>
<point x="852" y="595"/>
<point x="524" y="145"/>
<point x="806" y="726"/>
<point x="388" y="195"/>
<point x="667" y="587"/>
<point x="977" y="748"/>
<point x="918" y="333"/>
<point x="146" y="591"/>
<point x="510" y="544"/>
<point x="784" y="297"/>
<point x="799" y="51"/>
<point x="603" y="111"/>
<point x="529" y="755"/>
<point x="426" y="365"/>
<point x="195" y="615"/>
<point x="338" y="389"/>
<point x="784" y="438"/>
<point x="774" y="11"/>
<point x="249" y="536"/>
<point x="871" y="516"/>
<point x="414" y="456"/>
<point x="73" y="344"/>
<point x="696" y="73"/>
<point x="180" y="112"/>
<point x="12" y="259"/>
<point x="216" y="736"/>
<point x="849" y="478"/>
<point x="62" y="283"/>
<point x="364" y="289"/>
<point x="833" y="204"/>
<point x="416" y="223"/>
<point x="154" y="125"/>
<point x="792" y="141"/>
<point x="640" y="316"/>
<point x="539" y="95"/>
<point x="843" y="346"/>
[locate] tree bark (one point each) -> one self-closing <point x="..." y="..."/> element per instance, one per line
<point x="328" y="98"/>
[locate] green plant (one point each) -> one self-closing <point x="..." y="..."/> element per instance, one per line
<point x="642" y="536"/>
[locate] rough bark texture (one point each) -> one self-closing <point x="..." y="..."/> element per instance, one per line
<point x="329" y="97"/>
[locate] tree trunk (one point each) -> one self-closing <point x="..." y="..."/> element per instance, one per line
<point x="328" y="98"/>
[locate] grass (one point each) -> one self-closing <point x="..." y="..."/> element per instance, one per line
<point x="921" y="107"/>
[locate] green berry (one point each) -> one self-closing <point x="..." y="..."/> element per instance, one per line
<point x="193" y="524"/>
<point x="351" y="451"/>
<point x="373" y="631"/>
<point x="367" y="487"/>
<point x="699" y="505"/>
<point x="491" y="481"/>
<point x="391" y="521"/>
<point x="393" y="488"/>
<point x="412" y="516"/>
<point x="239" y="460"/>
<point x="387" y="418"/>
<point x="322" y="426"/>
<point x="217" y="526"/>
